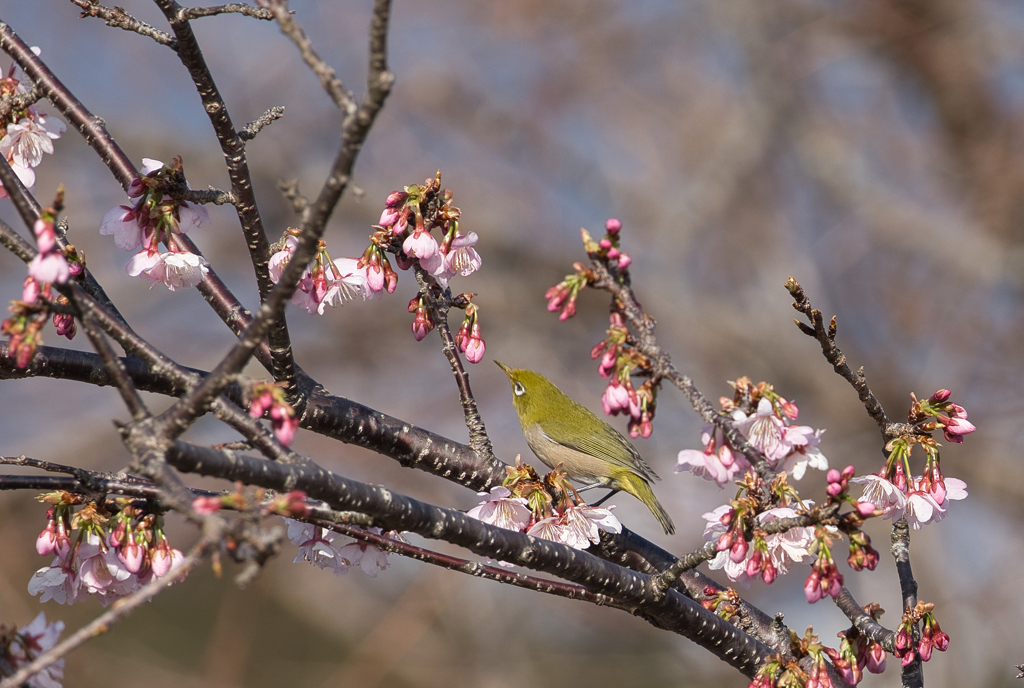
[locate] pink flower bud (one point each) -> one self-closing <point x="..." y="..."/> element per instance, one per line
<point x="940" y="639"/>
<point x="724" y="541"/>
<point x="206" y="505"/>
<point x="876" y="659"/>
<point x="613" y="253"/>
<point x="939" y="396"/>
<point x="132" y="556"/>
<point x="769" y="573"/>
<point x="834" y="489"/>
<point x="812" y="587"/>
<point x="624" y="261"/>
<point x="284" y="429"/>
<point x="849" y="472"/>
<point x="605" y="244"/>
<point x="396" y="198"/>
<point x="598" y="348"/>
<point x="612" y="226"/>
<point x="754" y="564"/>
<point x="738" y="551"/>
<point x="46" y="543"/>
<point x="388" y="217"/>
<point x="30" y="290"/>
<point x="475" y="348"/>
<point x="865" y="509"/>
<point x="908" y="659"/>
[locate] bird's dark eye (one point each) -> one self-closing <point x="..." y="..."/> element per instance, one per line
<point x="519" y="389"/>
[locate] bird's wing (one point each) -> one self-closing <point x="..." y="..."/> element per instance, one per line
<point x="608" y="444"/>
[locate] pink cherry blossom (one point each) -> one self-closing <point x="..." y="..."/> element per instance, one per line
<point x="49" y="267"/>
<point x="716" y="462"/>
<point x="121" y="223"/>
<point x="884" y="494"/>
<point x="500" y="509"/>
<point x="27" y="140"/>
<point x="764" y="430"/>
<point x="550" y="528"/>
<point x="371" y="560"/>
<point x="314" y="545"/>
<point x="462" y="258"/>
<point x="420" y="244"/>
<point x="180" y="270"/>
<point x="34" y="640"/>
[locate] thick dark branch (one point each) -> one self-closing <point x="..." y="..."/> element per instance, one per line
<point x="473" y="568"/>
<point x="672" y="612"/>
<point x="864" y="623"/>
<point x="913" y="676"/>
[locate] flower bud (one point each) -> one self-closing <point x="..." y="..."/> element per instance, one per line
<point x="612" y="226"/>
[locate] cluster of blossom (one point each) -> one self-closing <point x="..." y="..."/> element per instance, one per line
<point x="858" y="652"/>
<point x="932" y="636"/>
<point x="20" y="646"/>
<point x="325" y="282"/>
<point x="321" y="547"/>
<point x="28" y="133"/>
<point x="468" y="337"/>
<point x="563" y="295"/>
<point x="787" y="447"/>
<point x="406" y="226"/>
<point x="28" y="316"/>
<point x="769" y="555"/>
<point x="411" y="215"/>
<point x="525" y="504"/>
<point x="150" y="219"/>
<point x="782" y="672"/>
<point x="268" y="397"/>
<point x="922" y="498"/>
<point x="620" y="359"/>
<point x="109" y="557"/>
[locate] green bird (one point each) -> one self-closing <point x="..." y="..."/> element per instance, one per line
<point x="561" y="431"/>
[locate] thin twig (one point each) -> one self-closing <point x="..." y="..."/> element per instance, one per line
<point x="230" y="8"/>
<point x="249" y="131"/>
<point x="826" y="339"/>
<point x="438" y="301"/>
<point x="342" y="98"/>
<point x="114" y="369"/>
<point x="118" y="18"/>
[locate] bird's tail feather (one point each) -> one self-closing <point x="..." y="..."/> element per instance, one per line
<point x="638" y="487"/>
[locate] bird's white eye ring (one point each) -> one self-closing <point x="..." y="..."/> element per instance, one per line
<point x="519" y="389"/>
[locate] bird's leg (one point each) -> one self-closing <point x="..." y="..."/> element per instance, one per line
<point x="605" y="498"/>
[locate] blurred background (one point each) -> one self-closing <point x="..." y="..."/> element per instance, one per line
<point x="870" y="148"/>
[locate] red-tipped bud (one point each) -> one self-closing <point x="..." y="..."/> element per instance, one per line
<point x="939" y="396"/>
<point x="612" y="226"/>
<point x="738" y="551"/>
